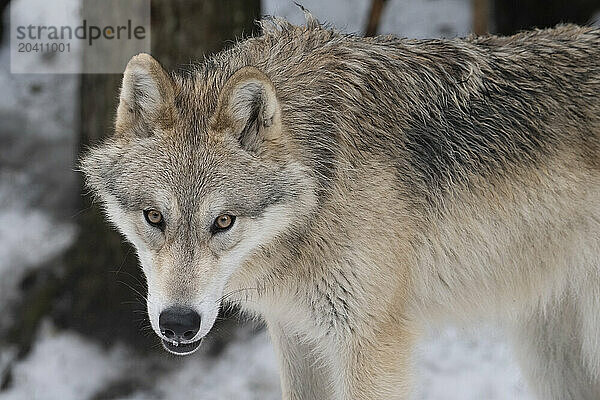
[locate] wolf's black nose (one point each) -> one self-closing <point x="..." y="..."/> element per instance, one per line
<point x="179" y="323"/>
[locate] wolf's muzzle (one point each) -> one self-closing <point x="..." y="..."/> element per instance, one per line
<point x="179" y="325"/>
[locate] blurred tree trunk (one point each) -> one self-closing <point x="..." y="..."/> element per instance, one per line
<point x="3" y="4"/>
<point x="100" y="288"/>
<point x="511" y="16"/>
<point x="374" y="20"/>
<point x="481" y="16"/>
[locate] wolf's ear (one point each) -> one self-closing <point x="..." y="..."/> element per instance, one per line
<point x="147" y="96"/>
<point x="248" y="108"/>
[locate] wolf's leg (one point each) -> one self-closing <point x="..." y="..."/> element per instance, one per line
<point x="303" y="375"/>
<point x="375" y="368"/>
<point x="554" y="353"/>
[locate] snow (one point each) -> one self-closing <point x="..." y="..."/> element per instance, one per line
<point x="29" y="237"/>
<point x="467" y="364"/>
<point x="246" y="370"/>
<point x="65" y="366"/>
<point x="49" y="108"/>
<point x="43" y="13"/>
<point x="451" y="365"/>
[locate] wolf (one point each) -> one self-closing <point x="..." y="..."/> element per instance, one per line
<point x="353" y="191"/>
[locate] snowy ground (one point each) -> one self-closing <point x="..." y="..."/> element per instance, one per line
<point x="452" y="364"/>
<point x="66" y="366"/>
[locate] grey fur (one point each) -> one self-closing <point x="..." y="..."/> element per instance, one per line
<point x="380" y="184"/>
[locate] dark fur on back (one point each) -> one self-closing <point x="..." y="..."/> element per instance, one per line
<point x="443" y="113"/>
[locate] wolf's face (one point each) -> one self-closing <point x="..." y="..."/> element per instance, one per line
<point x="198" y="195"/>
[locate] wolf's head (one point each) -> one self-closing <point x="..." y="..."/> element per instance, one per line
<point x="200" y="178"/>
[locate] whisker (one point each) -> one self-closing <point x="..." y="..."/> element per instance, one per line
<point x="233" y="292"/>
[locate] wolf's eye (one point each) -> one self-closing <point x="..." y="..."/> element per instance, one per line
<point x="154" y="218"/>
<point x="223" y="222"/>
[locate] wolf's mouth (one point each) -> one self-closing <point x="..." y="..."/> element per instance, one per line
<point x="181" y="349"/>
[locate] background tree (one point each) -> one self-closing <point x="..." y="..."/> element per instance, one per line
<point x="374" y="18"/>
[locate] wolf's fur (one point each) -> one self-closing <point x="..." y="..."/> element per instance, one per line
<point x="379" y="184"/>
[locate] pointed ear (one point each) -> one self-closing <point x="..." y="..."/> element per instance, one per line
<point x="147" y="96"/>
<point x="248" y="108"/>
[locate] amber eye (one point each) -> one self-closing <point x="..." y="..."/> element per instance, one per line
<point x="154" y="218"/>
<point x="223" y="222"/>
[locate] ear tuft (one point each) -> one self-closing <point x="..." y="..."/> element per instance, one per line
<point x="146" y="92"/>
<point x="248" y="108"/>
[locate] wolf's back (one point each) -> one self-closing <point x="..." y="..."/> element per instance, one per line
<point x="444" y="113"/>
